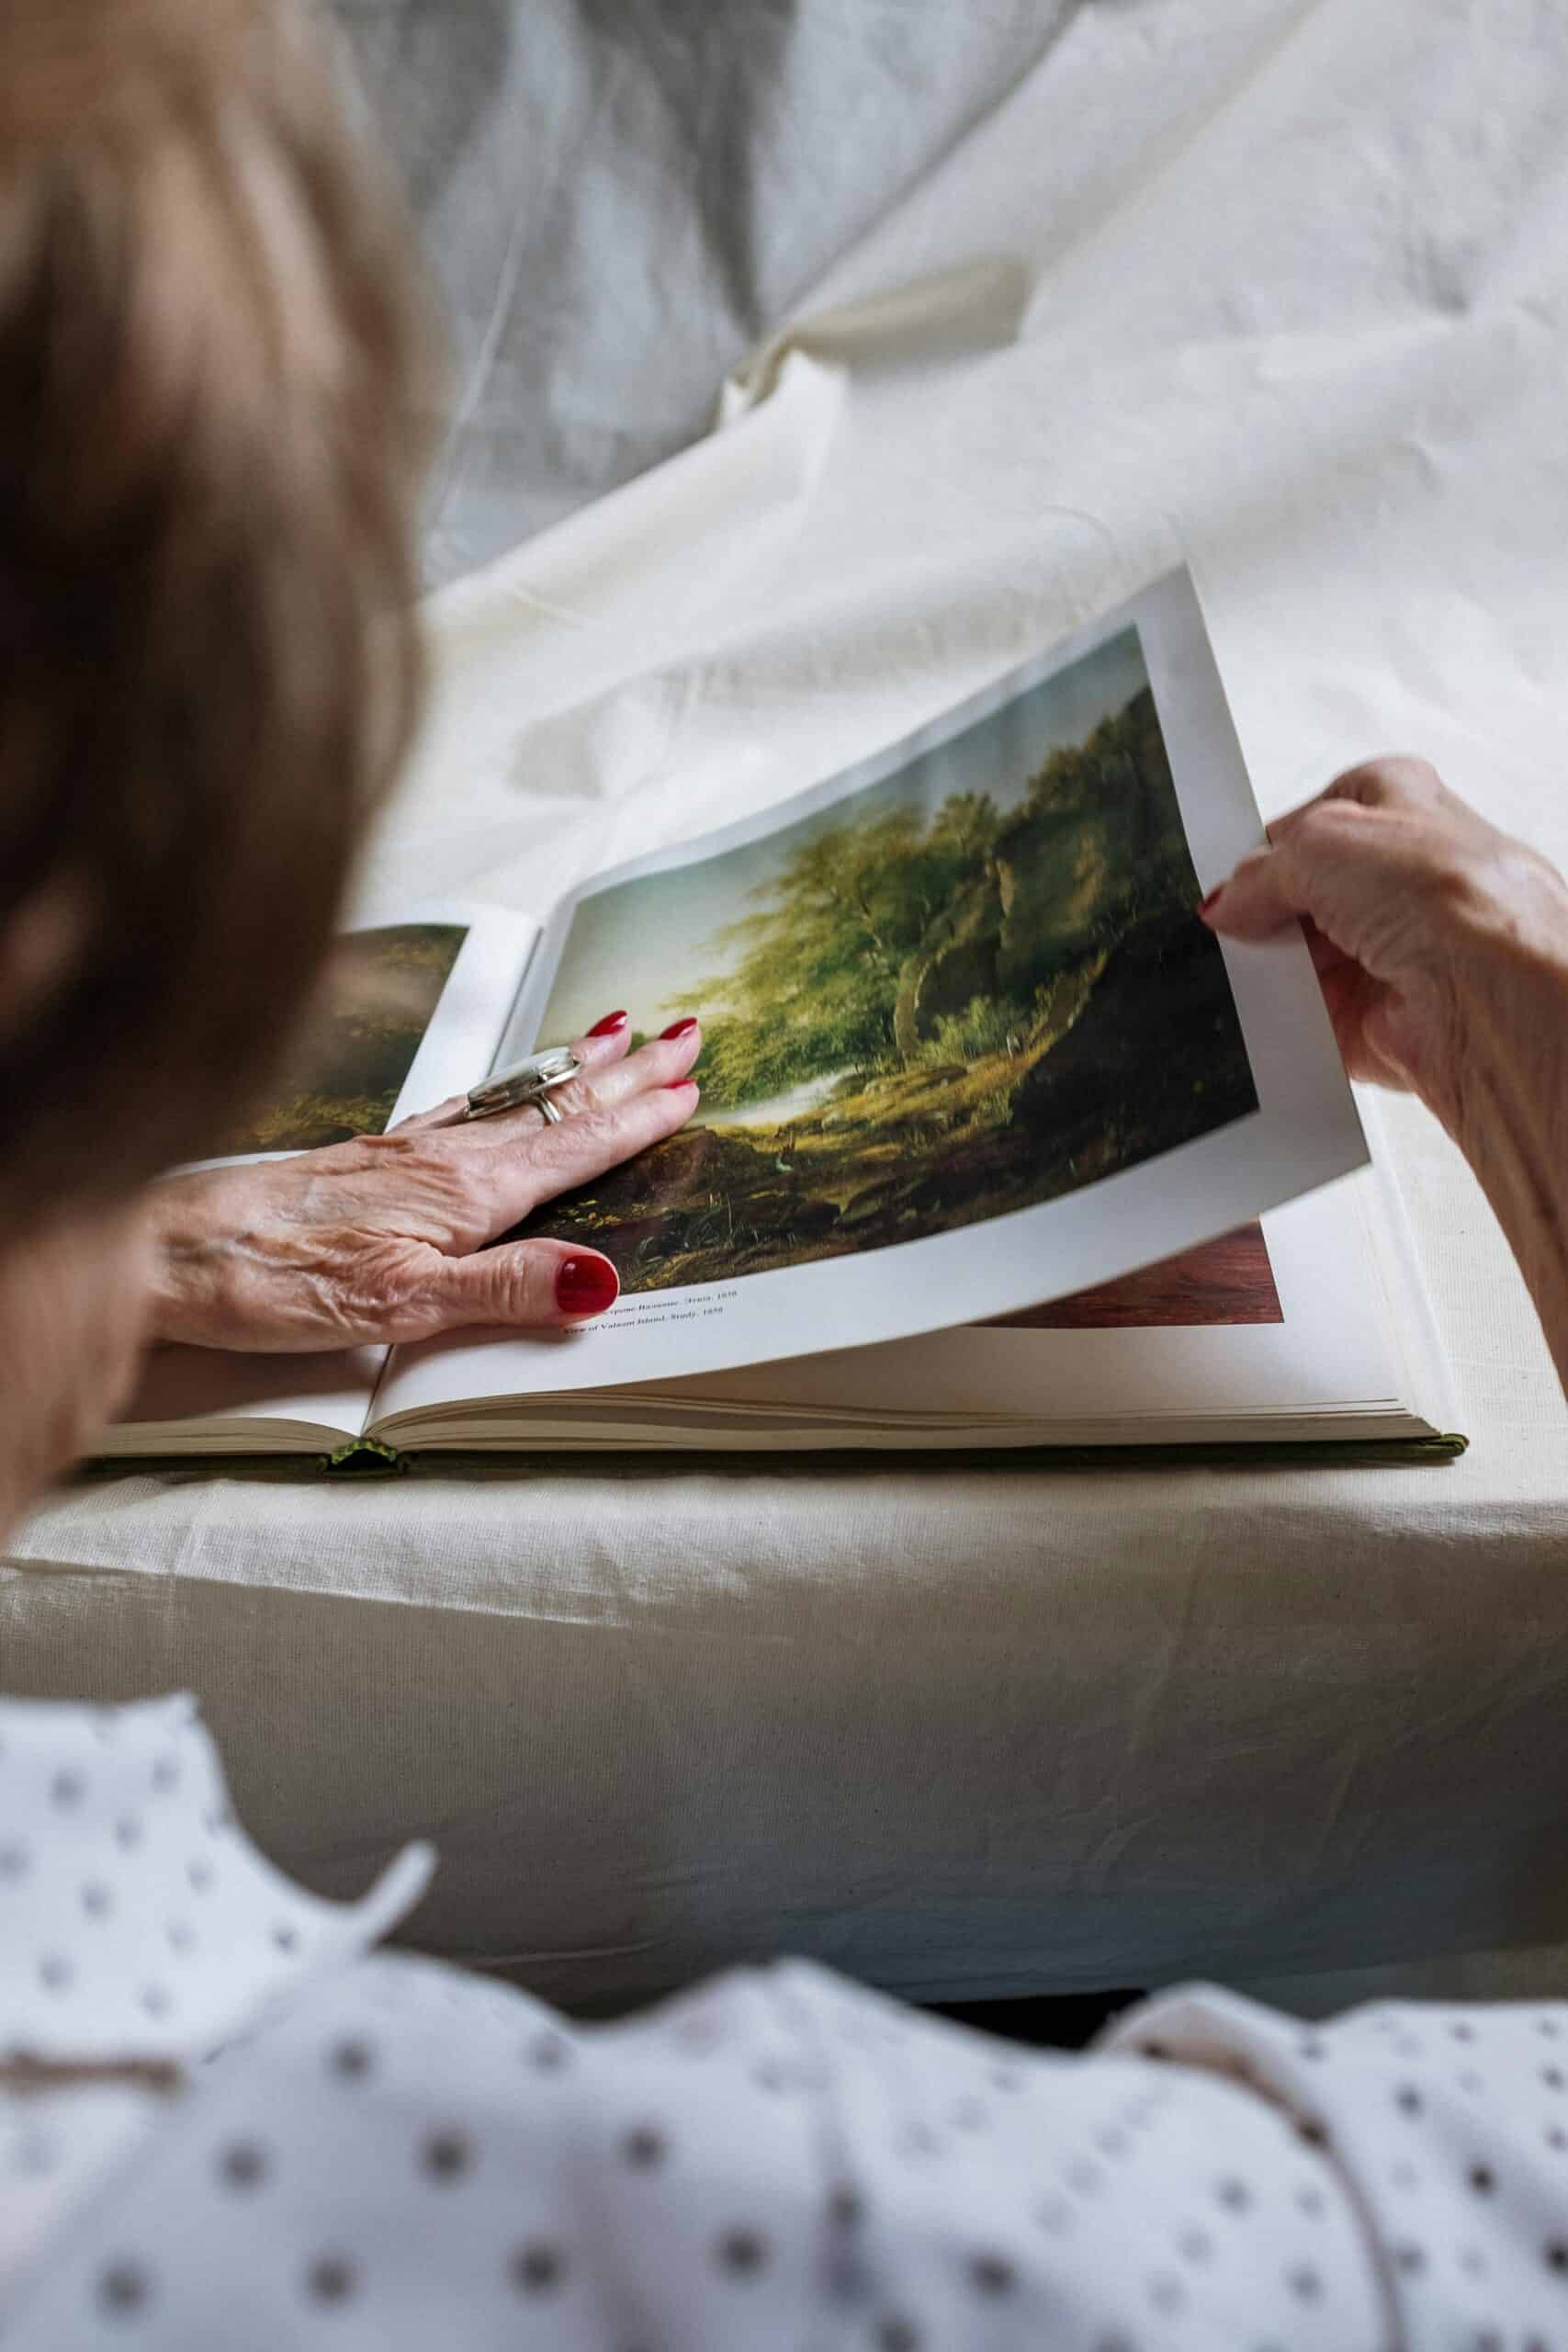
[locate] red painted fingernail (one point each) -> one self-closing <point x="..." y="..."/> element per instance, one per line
<point x="586" y="1286"/>
<point x="1205" y="905"/>
<point x="608" y="1026"/>
<point x="679" y="1028"/>
<point x="673" y="1085"/>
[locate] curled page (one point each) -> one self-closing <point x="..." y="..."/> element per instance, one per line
<point x="966" y="1045"/>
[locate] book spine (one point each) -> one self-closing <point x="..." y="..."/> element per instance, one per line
<point x="366" y="1457"/>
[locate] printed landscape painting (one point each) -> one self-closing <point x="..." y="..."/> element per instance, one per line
<point x="348" y="1068"/>
<point x="970" y="988"/>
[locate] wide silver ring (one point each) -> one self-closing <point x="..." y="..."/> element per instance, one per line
<point x="526" y="1081"/>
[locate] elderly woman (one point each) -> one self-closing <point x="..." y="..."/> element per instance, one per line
<point x="219" y="2122"/>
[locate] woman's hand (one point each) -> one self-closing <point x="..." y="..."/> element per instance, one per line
<point x="1442" y="947"/>
<point x="1426" y="924"/>
<point x="383" y="1239"/>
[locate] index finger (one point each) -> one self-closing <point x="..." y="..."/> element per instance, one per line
<point x="597" y="1048"/>
<point x="528" y="1162"/>
<point x="586" y="1145"/>
<point x="1395" y="780"/>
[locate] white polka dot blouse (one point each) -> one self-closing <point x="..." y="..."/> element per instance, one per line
<point x="225" y="2121"/>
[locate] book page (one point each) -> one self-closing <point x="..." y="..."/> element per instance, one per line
<point x="187" y="1393"/>
<point x="966" y="1045"/>
<point x="1301" y="1334"/>
<point x="411" y="1012"/>
<point x="408" y="1012"/>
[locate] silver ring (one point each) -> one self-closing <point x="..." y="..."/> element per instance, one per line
<point x="525" y="1082"/>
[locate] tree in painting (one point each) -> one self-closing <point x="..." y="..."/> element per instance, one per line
<point x="930" y="1016"/>
<point x="884" y="944"/>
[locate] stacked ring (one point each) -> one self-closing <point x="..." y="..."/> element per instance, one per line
<point x="525" y="1082"/>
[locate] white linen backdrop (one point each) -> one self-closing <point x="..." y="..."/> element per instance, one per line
<point x="1278" y="285"/>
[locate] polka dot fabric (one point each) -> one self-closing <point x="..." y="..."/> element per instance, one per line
<point x="1451" y="2127"/>
<point x="407" y="2157"/>
<point x="376" y="2152"/>
<point x="55" y="2153"/>
<point x="134" y="1915"/>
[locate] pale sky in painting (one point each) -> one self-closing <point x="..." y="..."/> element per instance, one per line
<point x="642" y="944"/>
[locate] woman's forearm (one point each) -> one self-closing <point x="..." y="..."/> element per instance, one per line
<point x="1509" y="1116"/>
<point x="1442" y="945"/>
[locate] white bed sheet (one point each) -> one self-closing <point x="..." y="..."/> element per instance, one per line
<point x="619" y="199"/>
<point x="1280" y="287"/>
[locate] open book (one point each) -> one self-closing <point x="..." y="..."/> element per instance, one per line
<point x="998" y="1144"/>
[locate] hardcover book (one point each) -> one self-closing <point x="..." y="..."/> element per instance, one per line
<point x="998" y="1144"/>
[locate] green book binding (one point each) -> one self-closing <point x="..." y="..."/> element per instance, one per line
<point x="366" y="1457"/>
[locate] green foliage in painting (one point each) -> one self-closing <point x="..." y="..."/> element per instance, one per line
<point x="887" y="940"/>
<point x="926" y="1020"/>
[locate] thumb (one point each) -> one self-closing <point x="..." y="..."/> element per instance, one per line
<point x="1259" y="899"/>
<point x="530" y="1285"/>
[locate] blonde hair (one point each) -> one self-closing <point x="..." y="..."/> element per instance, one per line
<point x="211" y="358"/>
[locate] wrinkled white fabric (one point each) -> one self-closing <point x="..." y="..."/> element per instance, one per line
<point x="1284" y="285"/>
<point x="618" y="201"/>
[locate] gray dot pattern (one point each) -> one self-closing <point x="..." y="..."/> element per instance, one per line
<point x="1461" y="2169"/>
<point x="377" y="2147"/>
<point x="381" y="2152"/>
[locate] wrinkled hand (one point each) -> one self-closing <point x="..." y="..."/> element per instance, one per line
<point x="383" y="1239"/>
<point x="1431" y="930"/>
